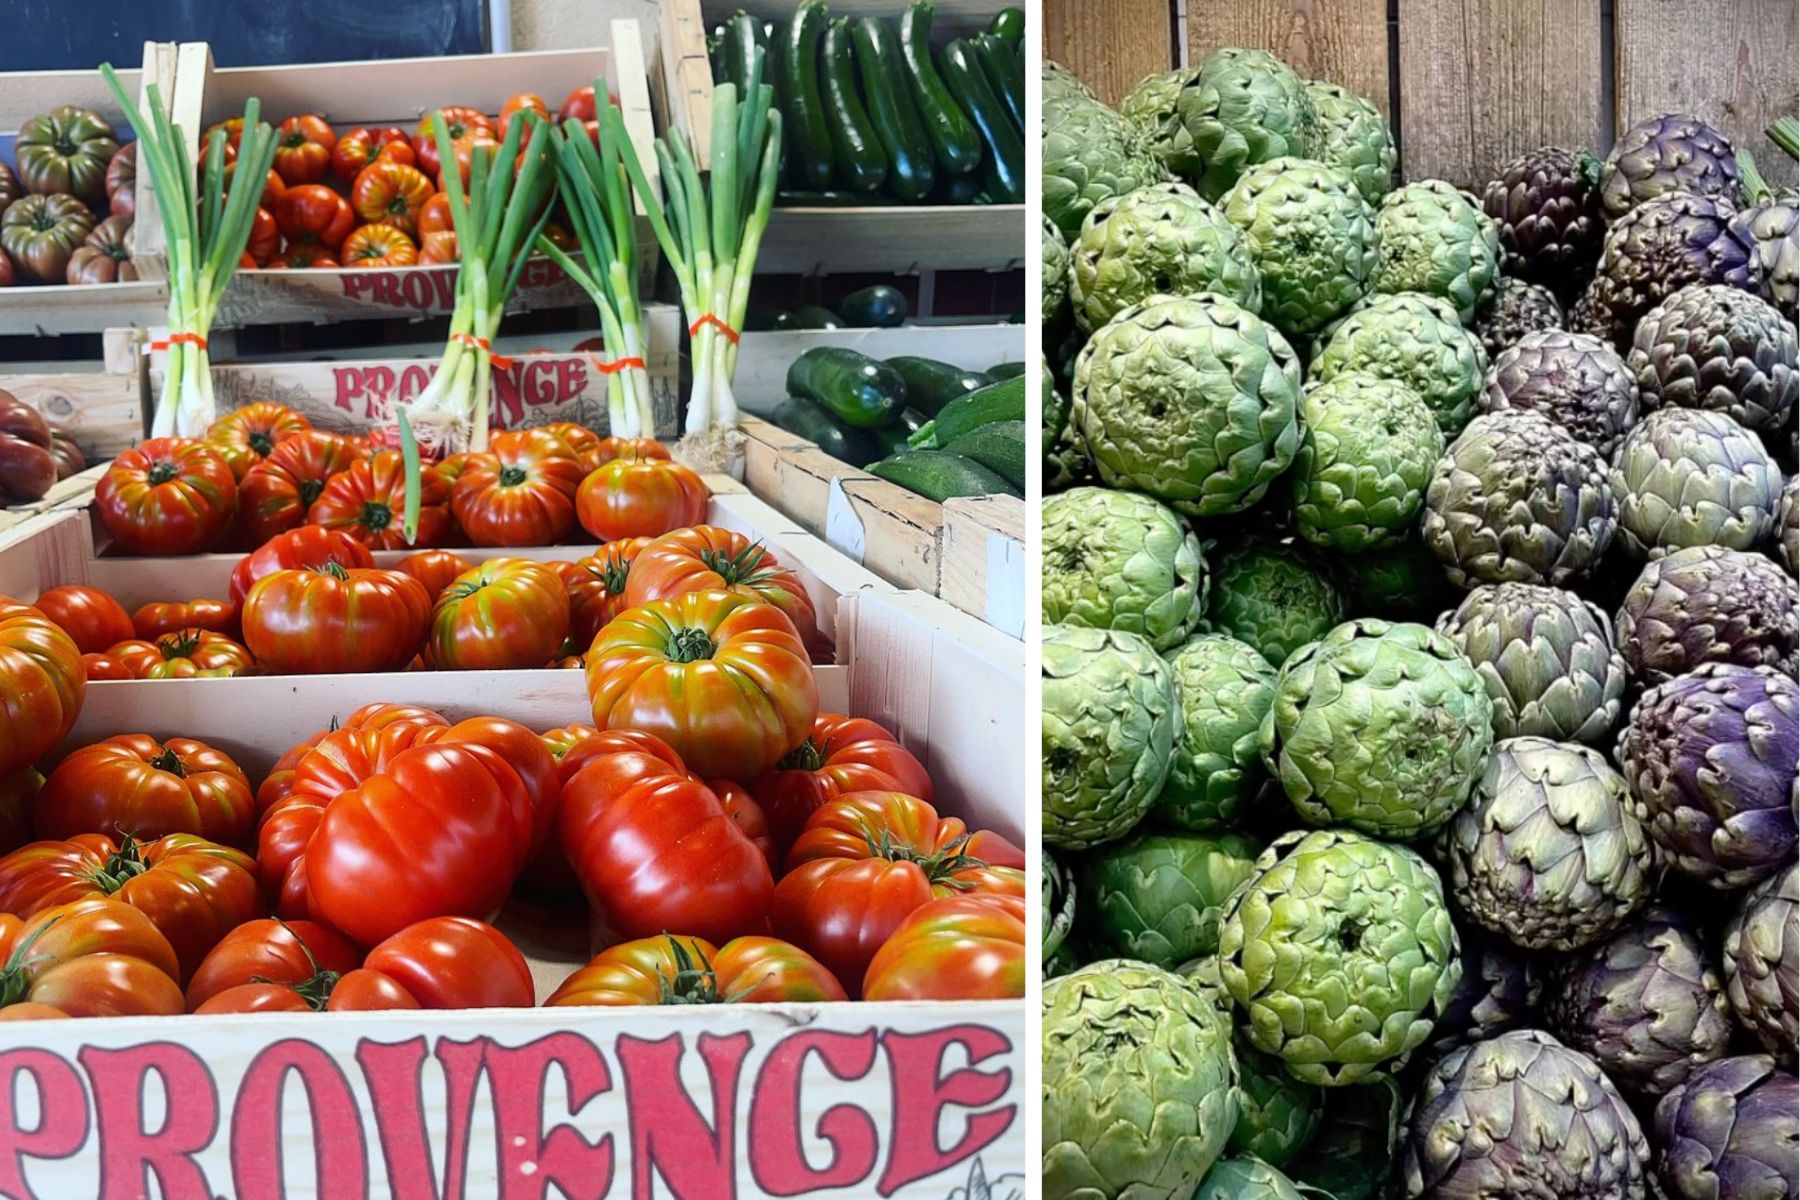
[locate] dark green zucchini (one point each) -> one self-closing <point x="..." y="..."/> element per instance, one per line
<point x="954" y="141"/>
<point x="802" y="418"/>
<point x="897" y="122"/>
<point x="1005" y="370"/>
<point x="957" y="189"/>
<point x="861" y="164"/>
<point x="1001" y="66"/>
<point x="999" y="446"/>
<point x="804" y="113"/>
<point x="1009" y="25"/>
<point x="743" y="38"/>
<point x="833" y="199"/>
<point x="858" y="390"/>
<point x="809" y="316"/>
<point x="931" y="384"/>
<point x="1003" y="168"/>
<point x="940" y="476"/>
<point x="893" y="435"/>
<point x="1003" y="401"/>
<point x="876" y="307"/>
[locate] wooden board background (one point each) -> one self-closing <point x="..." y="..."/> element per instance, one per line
<point x="1472" y="83"/>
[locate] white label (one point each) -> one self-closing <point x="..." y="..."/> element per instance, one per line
<point x="1004" y="606"/>
<point x="843" y="530"/>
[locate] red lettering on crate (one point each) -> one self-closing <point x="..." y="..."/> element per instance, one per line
<point x="347" y="387"/>
<point x="339" y="1153"/>
<point x="532" y="1158"/>
<point x="62" y="1122"/>
<point x="128" y="1152"/>
<point x="415" y="379"/>
<point x="921" y="1092"/>
<point x="773" y="1141"/>
<point x="504" y="406"/>
<point x="669" y="1135"/>
<point x="395" y="1074"/>
<point x="355" y="286"/>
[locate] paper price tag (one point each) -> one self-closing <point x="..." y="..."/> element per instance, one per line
<point x="843" y="529"/>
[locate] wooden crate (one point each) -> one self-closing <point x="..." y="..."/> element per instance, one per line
<point x="101" y="404"/>
<point x="1470" y="85"/>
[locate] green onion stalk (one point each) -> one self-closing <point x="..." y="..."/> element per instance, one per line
<point x="206" y="231"/>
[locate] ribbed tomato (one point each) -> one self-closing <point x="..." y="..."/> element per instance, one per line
<point x="708" y="558"/>
<point x="459" y="123"/>
<point x="329" y="620"/>
<point x="153" y="620"/>
<point x="436" y="569"/>
<point x="610" y="449"/>
<point x="505" y="613"/>
<point x="862" y="824"/>
<point x="596" y="586"/>
<point x="247" y="436"/>
<point x="42" y="684"/>
<point x="88" y="958"/>
<point x="391" y="193"/>
<point x="167" y="496"/>
<point x="92" y="618"/>
<point x="277" y="492"/>
<point x="361" y="145"/>
<point x="314" y="215"/>
<point x="671" y="969"/>
<point x="104" y="666"/>
<point x="379" y="245"/>
<point x="748" y="815"/>
<point x="303" y="147"/>
<point x="440" y="963"/>
<point x="956" y="948"/>
<point x="841" y="755"/>
<point x="184" y="654"/>
<point x="520" y="492"/>
<point x="307" y="546"/>
<point x="640" y="497"/>
<point x="368" y="501"/>
<point x="132" y="784"/>
<point x="583" y="442"/>
<point x="299" y="955"/>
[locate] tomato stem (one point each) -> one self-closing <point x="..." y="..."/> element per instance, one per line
<point x="168" y="761"/>
<point x="161" y="472"/>
<point x="690" y="645"/>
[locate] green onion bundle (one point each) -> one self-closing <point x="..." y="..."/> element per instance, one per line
<point x="206" y="231"/>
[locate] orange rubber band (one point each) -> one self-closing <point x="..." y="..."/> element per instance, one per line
<point x="481" y="343"/>
<point x="617" y="365"/>
<point x="178" y="339"/>
<point x="731" y="334"/>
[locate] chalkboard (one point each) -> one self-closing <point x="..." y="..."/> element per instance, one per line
<point x="77" y="36"/>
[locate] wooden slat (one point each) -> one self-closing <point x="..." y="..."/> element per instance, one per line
<point x="1344" y="41"/>
<point x="1484" y="80"/>
<point x="1730" y="62"/>
<point x="1111" y="46"/>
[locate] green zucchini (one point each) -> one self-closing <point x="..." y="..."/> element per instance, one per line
<point x="802" y="418"/>
<point x="743" y="38"/>
<point x="775" y="71"/>
<point x="715" y="53"/>
<point x="957" y="189"/>
<point x="1003" y="401"/>
<point x="1005" y="370"/>
<point x="877" y="307"/>
<point x="856" y="150"/>
<point x="998" y="446"/>
<point x="1001" y="66"/>
<point x="940" y="476"/>
<point x="808" y="316"/>
<point x="897" y="122"/>
<point x="893" y="435"/>
<point x="789" y="198"/>
<point x="856" y="389"/>
<point x="1009" y="25"/>
<point x="1003" y="168"/>
<point x="931" y="384"/>
<point x="954" y="141"/>
<point x="804" y="112"/>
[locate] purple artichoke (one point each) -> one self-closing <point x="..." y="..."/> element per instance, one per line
<point x="1658" y="248"/>
<point x="1772" y="229"/>
<point x="1519" y="308"/>
<point x="1546" y="203"/>
<point x="1709" y="758"/>
<point x="1762" y="962"/>
<point x="1685" y="477"/>
<point x="1731" y="1132"/>
<point x="1715" y="347"/>
<point x="1575" y="379"/>
<point x="1498" y="992"/>
<point x="1708" y="604"/>
<point x="1666" y="154"/>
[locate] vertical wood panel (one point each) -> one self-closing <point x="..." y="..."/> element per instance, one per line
<point x="1484" y="80"/>
<point x="1730" y="62"/>
<point x="1110" y="44"/>
<point x="1344" y="41"/>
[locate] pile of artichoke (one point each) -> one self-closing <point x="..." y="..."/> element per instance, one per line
<point x="1420" y="638"/>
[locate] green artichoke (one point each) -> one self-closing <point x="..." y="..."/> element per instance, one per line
<point x="1273" y="596"/>
<point x="1340" y="954"/>
<point x="1546" y="203"/>
<point x="1715" y="347"/>
<point x="1163" y="240"/>
<point x="1139" y="1084"/>
<point x="1708" y="604"/>
<point x="1088" y="152"/>
<point x="1367" y="448"/>
<point x="1151" y="106"/>
<point x="1224" y="689"/>
<point x="1066" y="462"/>
<point x="1055" y="250"/>
<point x="1056" y="406"/>
<point x="1666" y="154"/>
<point x="1522" y="1117"/>
<point x="1354" y="138"/>
<point x="1277" y="1114"/>
<point x="1519" y="308"/>
<point x="1191" y="400"/>
<point x="1762" y="962"/>
<point x="1397" y="583"/>
<point x="1109" y="727"/>
<point x="1549" y="853"/>
<point x="1379" y="727"/>
<point x="1242" y="107"/>
<point x="1435" y="240"/>
<point x="1685" y="478"/>
<point x="1575" y="379"/>
<point x="1771" y="229"/>
<point x="1059" y="905"/>
<point x="1158" y="897"/>
<point x="1415" y="340"/>
<point x="1312" y="236"/>
<point x="1547" y="657"/>
<point x="1247" y="1178"/>
<point x="1657" y="249"/>
<point x="1787" y="526"/>
<point x="1517" y="499"/>
<point x="1117" y="560"/>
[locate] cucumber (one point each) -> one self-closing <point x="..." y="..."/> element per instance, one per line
<point x="877" y="307"/>
<point x="808" y="316"/>
<point x="804" y="113"/>
<point x="931" y="384"/>
<point x="802" y="418"/>
<point x="897" y="122"/>
<point x="1003" y="168"/>
<point x="742" y="39"/>
<point x="1009" y="25"/>
<point x="937" y="475"/>
<point x="1005" y="370"/>
<point x="1000" y="447"/>
<point x="1003" y="401"/>
<point x="954" y="141"/>
<point x="1001" y="66"/>
<point x="856" y="152"/>
<point x="858" y="390"/>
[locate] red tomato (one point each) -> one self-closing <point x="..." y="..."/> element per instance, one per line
<point x="465" y="148"/>
<point x="300" y="956"/>
<point x="613" y="448"/>
<point x="520" y="103"/>
<point x="156" y="619"/>
<point x="722" y="678"/>
<point x="582" y="442"/>
<point x="167" y="496"/>
<point x="265" y="237"/>
<point x="526" y="753"/>
<point x="380" y="245"/>
<point x="273" y="186"/>
<point x="93" y="619"/>
<point x="748" y="815"/>
<point x="596" y="586"/>
<point x="368" y="501"/>
<point x="88" y="958"/>
<point x="103" y="666"/>
<point x="864" y="824"/>
<point x="233" y="129"/>
<point x="308" y="546"/>
<point x="579" y="105"/>
<point x="133" y="784"/>
<point x="17" y="790"/>
<point x="247" y="436"/>
<point x="841" y="755"/>
<point x="275" y="495"/>
<point x="369" y="991"/>
<point x="42" y="684"/>
<point x="392" y="193"/>
<point x="436" y="569"/>
<point x="685" y="970"/>
<point x="957" y="948"/>
<point x="301" y="258"/>
<point x="640" y="498"/>
<point x="314" y="215"/>
<point x="450" y="963"/>
<point x="520" y="492"/>
<point x="708" y="558"/>
<point x="435" y="216"/>
<point x="184" y="654"/>
<point x="360" y="146"/>
<point x="458" y="123"/>
<point x="655" y="850"/>
<point x="332" y="620"/>
<point x="506" y="613"/>
<point x="435" y="248"/>
<point x="303" y="147"/>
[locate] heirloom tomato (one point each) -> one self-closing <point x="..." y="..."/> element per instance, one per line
<point x="864" y="824"/>
<point x="106" y="255"/>
<point x="104" y="666"/>
<point x="505" y="613"/>
<point x="301" y="956"/>
<point x="460" y="124"/>
<point x="312" y="214"/>
<point x="436" y="569"/>
<point x="277" y="492"/>
<point x="440" y="963"/>
<point x="368" y="501"/>
<point x="121" y="181"/>
<point x="303" y="147"/>
<point x="17" y="790"/>
<point x="708" y="558"/>
<point x="841" y="755"/>
<point x="28" y="463"/>
<point x="265" y="237"/>
<point x="167" y="496"/>
<point x="391" y="193"/>
<point x="184" y="654"/>
<point x="596" y="586"/>
<point x="956" y="948"/>
<point x="640" y="497"/>
<point x="65" y="151"/>
<point x="612" y="449"/>
<point x="435" y="216"/>
<point x="580" y="104"/>
<point x="307" y="546"/>
<point x="519" y="492"/>
<point x="521" y="102"/>
<point x="42" y="684"/>
<point x="450" y="468"/>
<point x="249" y="435"/>
<point x="380" y="245"/>
<point x="526" y="753"/>
<point x="88" y="958"/>
<point x="273" y="186"/>
<point x="93" y="619"/>
<point x="133" y="784"/>
<point x="233" y="129"/>
<point x="672" y="969"/>
<point x="42" y="233"/>
<point x="329" y="619"/>
<point x="153" y="620"/>
<point x="723" y="678"/>
<point x="361" y="145"/>
<point x="582" y="442"/>
<point x="436" y="248"/>
<point x="301" y="258"/>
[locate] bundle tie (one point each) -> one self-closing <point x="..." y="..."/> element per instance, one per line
<point x="481" y="344"/>
<point x="618" y="364"/>
<point x="731" y="335"/>
<point x="176" y="339"/>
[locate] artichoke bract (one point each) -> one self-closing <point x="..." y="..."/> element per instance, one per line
<point x="1549" y="854"/>
<point x="1139" y="1084"/>
<point x="1277" y="1114"/>
<point x="1242" y="107"/>
<point x="1728" y="1133"/>
<point x="1415" y="340"/>
<point x="1367" y="448"/>
<point x="1158" y="897"/>
<point x="1710" y="758"/>
<point x="1575" y="379"/>
<point x="1224" y="688"/>
<point x="1657" y="249"/>
<point x="1715" y="347"/>
<point x="1546" y="203"/>
<point x="1522" y="1117"/>
<point x="1272" y="596"/>
<point x="1191" y="400"/>
<point x="1685" y="478"/>
<point x="1163" y="240"/>
<point x="1436" y="241"/>
<point x="1117" y="560"/>
<point x="1761" y="955"/>
<point x="1088" y="152"/>
<point x="1669" y="153"/>
<point x="1055" y="250"/>
<point x="1380" y="727"/>
<point x="1518" y="499"/>
<point x="1248" y="1178"/>
<point x="1771" y="228"/>
<point x="1499" y="992"/>
<point x="1354" y="137"/>
<point x="1340" y="954"/>
<point x="1519" y="308"/>
<point x="1109" y="725"/>
<point x="1313" y="237"/>
<point x="1055" y="407"/>
<point x="1151" y="105"/>
<point x="1547" y="658"/>
<point x="1707" y="604"/>
<point x="1787" y="526"/>
<point x="1644" y="1003"/>
<point x="1059" y="905"/>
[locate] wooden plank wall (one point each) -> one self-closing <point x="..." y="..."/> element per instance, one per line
<point x="1471" y="83"/>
